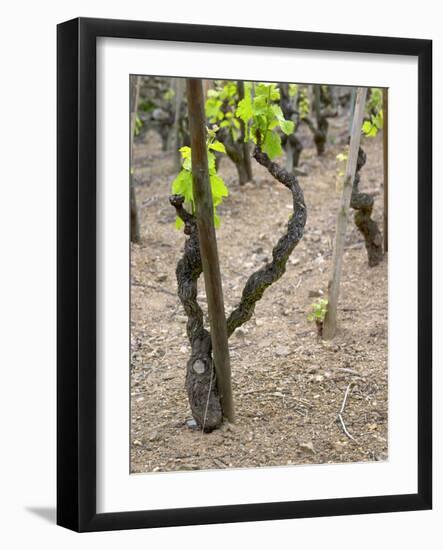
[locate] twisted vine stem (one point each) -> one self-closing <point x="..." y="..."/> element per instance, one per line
<point x="259" y="281"/>
<point x="200" y="372"/>
<point x="363" y="204"/>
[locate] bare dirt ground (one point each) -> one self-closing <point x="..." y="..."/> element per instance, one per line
<point x="288" y="385"/>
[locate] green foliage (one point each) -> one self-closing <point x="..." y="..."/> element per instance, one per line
<point x="146" y="105"/>
<point x="304" y="105"/>
<point x="138" y="125"/>
<point x="261" y="115"/>
<point x="293" y="89"/>
<point x="318" y="310"/>
<point x="374" y="107"/>
<point x="220" y="108"/>
<point x="371" y="127"/>
<point x="342" y="157"/>
<point x="182" y="184"/>
<point x="375" y="100"/>
<point x="169" y="94"/>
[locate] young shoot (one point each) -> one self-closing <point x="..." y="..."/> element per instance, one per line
<point x="318" y="310"/>
<point x="138" y="125"/>
<point x="221" y="105"/>
<point x="262" y="115"/>
<point x="374" y="123"/>
<point x="182" y="184"/>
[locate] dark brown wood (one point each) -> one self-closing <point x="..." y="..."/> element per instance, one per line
<point x="204" y="212"/>
<point x="244" y="144"/>
<point x="385" y="169"/>
<point x="135" y="225"/>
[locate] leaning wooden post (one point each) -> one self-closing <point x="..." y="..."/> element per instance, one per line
<point x="204" y="212"/>
<point x="135" y="93"/>
<point x="244" y="143"/>
<point x="330" y="322"/>
<point x="385" y="169"/>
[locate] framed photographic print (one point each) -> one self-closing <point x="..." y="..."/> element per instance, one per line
<point x="244" y="274"/>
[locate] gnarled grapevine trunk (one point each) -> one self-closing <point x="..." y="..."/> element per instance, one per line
<point x="239" y="154"/>
<point x="201" y="383"/>
<point x="259" y="281"/>
<point x="363" y="204"/>
<point x="319" y="131"/>
<point x="200" y="373"/>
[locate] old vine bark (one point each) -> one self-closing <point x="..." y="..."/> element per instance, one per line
<point x="259" y="281"/>
<point x="363" y="204"/>
<point x="291" y="143"/>
<point x="200" y="372"/>
<point x="319" y="131"/>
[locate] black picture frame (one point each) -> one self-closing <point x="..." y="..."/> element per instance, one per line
<point x="76" y="280"/>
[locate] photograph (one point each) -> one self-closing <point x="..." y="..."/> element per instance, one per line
<point x="299" y="182"/>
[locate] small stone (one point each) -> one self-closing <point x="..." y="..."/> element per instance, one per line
<point x="154" y="436"/>
<point x="137" y="443"/>
<point x="282" y="351"/>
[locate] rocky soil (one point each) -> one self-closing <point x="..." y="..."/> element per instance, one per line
<point x="289" y="386"/>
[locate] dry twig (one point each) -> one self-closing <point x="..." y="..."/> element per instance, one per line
<point x="340" y="417"/>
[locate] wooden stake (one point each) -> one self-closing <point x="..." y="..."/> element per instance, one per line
<point x="330" y="322"/>
<point x="245" y="144"/>
<point x="385" y="169"/>
<point x="135" y="93"/>
<point x="204" y="212"/>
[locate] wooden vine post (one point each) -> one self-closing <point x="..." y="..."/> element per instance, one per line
<point x="244" y="143"/>
<point x="385" y="169"/>
<point x="135" y="93"/>
<point x="330" y="322"/>
<point x="204" y="213"/>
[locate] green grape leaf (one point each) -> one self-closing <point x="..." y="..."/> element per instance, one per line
<point x="217" y="146"/>
<point x="293" y="89"/>
<point x="244" y="109"/>
<point x="278" y="113"/>
<point x="182" y="185"/>
<point x="272" y="144"/>
<point x="287" y="126"/>
<point x="216" y="220"/>
<point x="211" y="163"/>
<point x="185" y="152"/>
<point x="218" y="188"/>
<point x="369" y="129"/>
<point x="212" y="108"/>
